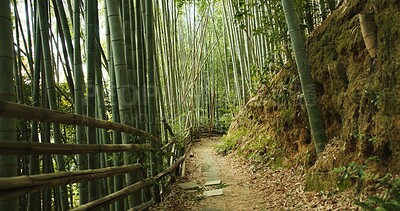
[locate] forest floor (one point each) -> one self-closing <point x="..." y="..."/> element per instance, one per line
<point x="246" y="186"/>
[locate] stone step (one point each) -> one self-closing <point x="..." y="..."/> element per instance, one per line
<point x="216" y="192"/>
<point x="213" y="182"/>
<point x="188" y="185"/>
<point x="211" y="209"/>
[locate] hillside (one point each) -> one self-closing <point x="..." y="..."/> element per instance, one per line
<point x="360" y="100"/>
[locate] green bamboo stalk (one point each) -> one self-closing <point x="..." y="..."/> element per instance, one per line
<point x="66" y="42"/>
<point x="34" y="198"/>
<point x="152" y="94"/>
<point x="47" y="163"/>
<point x="44" y="29"/>
<point x="29" y="36"/>
<point x="231" y="42"/>
<point x="79" y="99"/>
<point x="124" y="97"/>
<point x="174" y="72"/>
<point x="163" y="49"/>
<point x="126" y="27"/>
<point x="65" y="29"/>
<point x="21" y="124"/>
<point x="91" y="87"/>
<point x="44" y="126"/>
<point x="313" y="108"/>
<point x="323" y="9"/>
<point x="105" y="137"/>
<point x="8" y="127"/>
<point x="116" y="135"/>
<point x="141" y="71"/>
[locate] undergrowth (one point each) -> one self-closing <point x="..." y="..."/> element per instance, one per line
<point x="252" y="145"/>
<point x="388" y="199"/>
<point x="230" y="141"/>
<point x="383" y="191"/>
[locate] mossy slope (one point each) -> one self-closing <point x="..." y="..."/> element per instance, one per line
<point x="360" y="98"/>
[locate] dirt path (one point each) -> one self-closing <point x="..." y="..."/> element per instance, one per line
<point x="238" y="191"/>
<point x="245" y="187"/>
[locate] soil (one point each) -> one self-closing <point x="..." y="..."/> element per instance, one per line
<point x="247" y="186"/>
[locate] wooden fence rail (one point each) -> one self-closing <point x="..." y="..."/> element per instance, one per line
<point x="12" y="187"/>
<point x="31" y="148"/>
<point x="99" y="203"/>
<point x="14" y="110"/>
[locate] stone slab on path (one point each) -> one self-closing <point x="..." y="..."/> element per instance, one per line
<point x="216" y="192"/>
<point x="211" y="209"/>
<point x="188" y="185"/>
<point x="213" y="182"/>
<point x="213" y="172"/>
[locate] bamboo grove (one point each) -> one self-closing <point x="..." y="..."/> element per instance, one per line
<point x="164" y="68"/>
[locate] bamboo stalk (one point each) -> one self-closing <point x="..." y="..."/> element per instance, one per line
<point x="165" y="146"/>
<point x="314" y="112"/>
<point x="32" y="148"/>
<point x="8" y="127"/>
<point x="79" y="97"/>
<point x="12" y="187"/>
<point x="14" y="110"/>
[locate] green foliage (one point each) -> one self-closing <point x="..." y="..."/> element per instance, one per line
<point x="363" y="137"/>
<point x="388" y="200"/>
<point x="348" y="174"/>
<point x="253" y="145"/>
<point x="374" y="97"/>
<point x="358" y="136"/>
<point x="359" y="176"/>
<point x="224" y="121"/>
<point x="241" y="13"/>
<point x="221" y="185"/>
<point x="352" y="175"/>
<point x="260" y="76"/>
<point x="180" y="3"/>
<point x="115" y="157"/>
<point x="230" y="141"/>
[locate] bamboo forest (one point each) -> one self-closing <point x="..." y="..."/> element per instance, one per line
<point x="209" y="105"/>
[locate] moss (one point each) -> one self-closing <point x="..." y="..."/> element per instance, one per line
<point x="231" y="141"/>
<point x="319" y="182"/>
<point x="263" y="149"/>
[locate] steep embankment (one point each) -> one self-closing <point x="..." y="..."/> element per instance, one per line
<point x="360" y="99"/>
